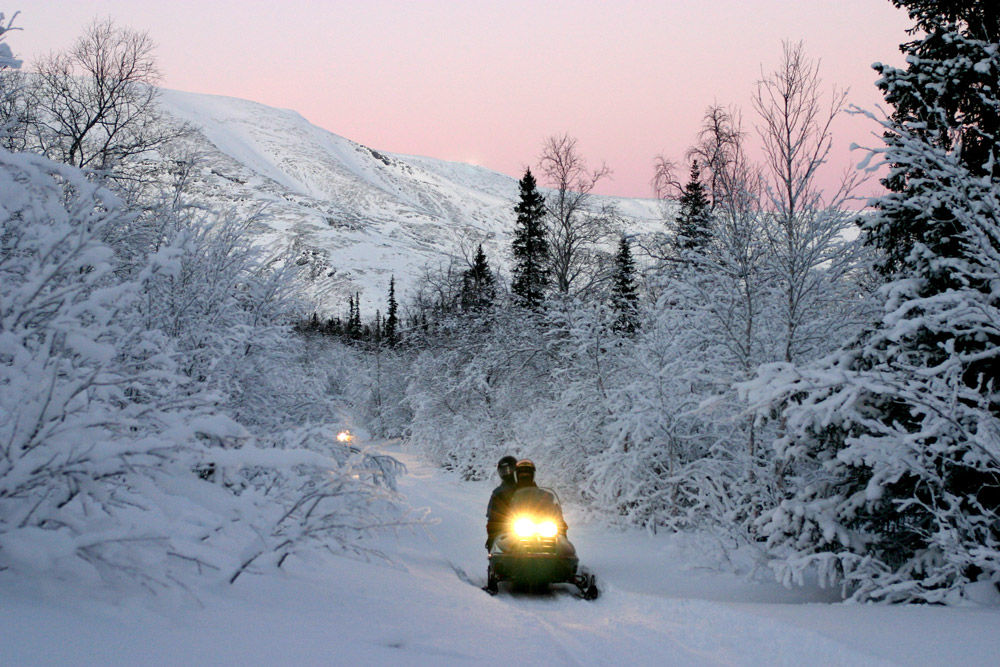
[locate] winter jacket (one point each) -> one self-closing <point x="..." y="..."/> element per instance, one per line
<point x="498" y="511"/>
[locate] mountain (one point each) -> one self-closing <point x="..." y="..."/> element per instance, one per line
<point x="353" y="214"/>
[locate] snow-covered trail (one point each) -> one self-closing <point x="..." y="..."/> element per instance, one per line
<point x="629" y="624"/>
<point x="642" y="616"/>
<point x="657" y="608"/>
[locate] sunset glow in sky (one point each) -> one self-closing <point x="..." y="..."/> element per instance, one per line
<point x="487" y="81"/>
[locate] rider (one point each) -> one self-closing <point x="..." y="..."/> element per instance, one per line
<point x="499" y="508"/>
<point x="531" y="499"/>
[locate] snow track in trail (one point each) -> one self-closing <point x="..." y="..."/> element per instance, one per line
<point x="658" y="606"/>
<point x="621" y="626"/>
<point x="655" y="609"/>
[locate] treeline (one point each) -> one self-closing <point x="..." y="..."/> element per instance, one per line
<point x="380" y="331"/>
<point x="613" y="358"/>
<point x="758" y="370"/>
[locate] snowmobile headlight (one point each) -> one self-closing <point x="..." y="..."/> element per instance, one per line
<point x="547" y="529"/>
<point x="524" y="527"/>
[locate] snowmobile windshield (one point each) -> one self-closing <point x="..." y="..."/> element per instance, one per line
<point x="535" y="511"/>
<point x="535" y="500"/>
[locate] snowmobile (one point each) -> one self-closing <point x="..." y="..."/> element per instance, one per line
<point x="534" y="551"/>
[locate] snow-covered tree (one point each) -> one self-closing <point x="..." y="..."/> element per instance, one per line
<point x="478" y="284"/>
<point x="694" y="220"/>
<point x="96" y="420"/>
<point x="15" y="112"/>
<point x="735" y="282"/>
<point x="894" y="442"/>
<point x="392" y="314"/>
<point x="7" y="59"/>
<point x="810" y="259"/>
<point x="671" y="454"/>
<point x="719" y="144"/>
<point x="624" y="292"/>
<point x="121" y="387"/>
<point x="472" y="389"/>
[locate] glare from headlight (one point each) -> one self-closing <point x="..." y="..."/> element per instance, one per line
<point x="524" y="527"/>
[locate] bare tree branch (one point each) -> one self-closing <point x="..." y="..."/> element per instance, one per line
<point x="577" y="233"/>
<point x="95" y="104"/>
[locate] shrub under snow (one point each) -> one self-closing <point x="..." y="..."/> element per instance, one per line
<point x="117" y="445"/>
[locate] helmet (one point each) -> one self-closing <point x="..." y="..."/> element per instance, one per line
<point x="507" y="461"/>
<point x="505" y="467"/>
<point x="525" y="469"/>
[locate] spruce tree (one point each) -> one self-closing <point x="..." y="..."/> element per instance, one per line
<point x="349" y="325"/>
<point x="391" y="315"/>
<point x="947" y="109"/>
<point x="899" y="434"/>
<point x="530" y="247"/>
<point x="354" y="317"/>
<point x="478" y="284"/>
<point x="694" y="224"/>
<point x="624" y="294"/>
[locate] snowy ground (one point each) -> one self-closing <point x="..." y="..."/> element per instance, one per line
<point x="659" y="606"/>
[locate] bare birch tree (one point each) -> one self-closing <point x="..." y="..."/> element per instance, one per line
<point x="811" y="257"/>
<point x="576" y="232"/>
<point x="719" y="146"/>
<point x="96" y="103"/>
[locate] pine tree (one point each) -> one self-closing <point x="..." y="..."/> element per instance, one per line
<point x="391" y="315"/>
<point x="478" y="284"/>
<point x="624" y="294"/>
<point x="530" y="247"/>
<point x="694" y="224"/>
<point x="899" y="434"/>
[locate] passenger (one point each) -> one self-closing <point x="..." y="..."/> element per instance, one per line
<point x="498" y="511"/>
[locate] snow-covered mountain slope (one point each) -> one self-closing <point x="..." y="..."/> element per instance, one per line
<point x="353" y="214"/>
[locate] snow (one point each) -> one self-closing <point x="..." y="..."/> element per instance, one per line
<point x="359" y="215"/>
<point x="660" y="604"/>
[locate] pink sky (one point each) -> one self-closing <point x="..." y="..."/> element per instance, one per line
<point x="487" y="82"/>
